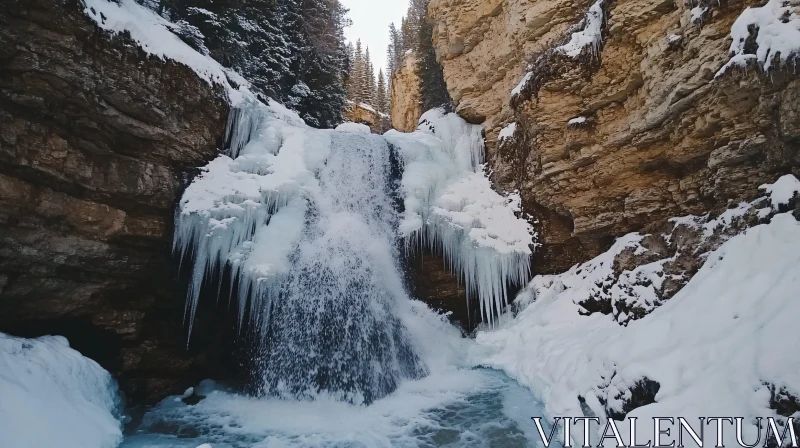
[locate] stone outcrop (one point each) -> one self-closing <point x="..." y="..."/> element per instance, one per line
<point x="96" y="139"/>
<point x="406" y="102"/>
<point x="661" y="136"/>
<point x="361" y="113"/>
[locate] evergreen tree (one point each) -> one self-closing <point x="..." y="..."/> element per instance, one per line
<point x="381" y="99"/>
<point x="433" y="90"/>
<point x="369" y="80"/>
<point x="407" y="36"/>
<point x="356" y="87"/>
<point x="291" y="50"/>
<point x="319" y="93"/>
<point x="395" y="51"/>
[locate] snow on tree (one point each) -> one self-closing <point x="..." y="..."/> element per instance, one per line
<point x="381" y="96"/>
<point x="291" y="50"/>
<point x="369" y="76"/>
<point x="433" y="90"/>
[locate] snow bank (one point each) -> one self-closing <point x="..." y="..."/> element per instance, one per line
<point x="356" y="128"/>
<point x="777" y="29"/>
<point x="51" y="396"/>
<point x="154" y="34"/>
<point x="450" y="207"/>
<point x="713" y="347"/>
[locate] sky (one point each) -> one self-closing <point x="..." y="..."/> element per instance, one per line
<point x="371" y="19"/>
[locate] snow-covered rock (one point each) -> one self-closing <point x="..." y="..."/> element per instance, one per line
<point x="776" y="26"/>
<point x="717" y="347"/>
<point x="356" y="128"/>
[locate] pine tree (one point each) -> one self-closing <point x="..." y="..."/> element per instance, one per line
<point x="356" y="86"/>
<point x="381" y="100"/>
<point x="351" y="52"/>
<point x="369" y="80"/>
<point x="291" y="50"/>
<point x="390" y="51"/>
<point x="433" y="90"/>
<point x="407" y="35"/>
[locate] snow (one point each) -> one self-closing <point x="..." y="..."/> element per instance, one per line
<point x="356" y="128"/>
<point x="51" y="396"/>
<point x="451" y="208"/>
<point x="507" y="132"/>
<point x="590" y="36"/>
<point x="576" y="121"/>
<point x="697" y="14"/>
<point x="712" y="347"/>
<point x="782" y="191"/>
<point x="672" y="38"/>
<point x="518" y="89"/>
<point x="154" y="35"/>
<point x="778" y="35"/>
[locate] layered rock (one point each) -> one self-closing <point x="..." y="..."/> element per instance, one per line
<point x="95" y="141"/>
<point x="406" y="101"/>
<point x="659" y="135"/>
<point x="365" y="114"/>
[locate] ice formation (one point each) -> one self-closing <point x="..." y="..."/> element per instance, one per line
<point x="303" y="221"/>
<point x="715" y="347"/>
<point x="51" y="396"/>
<point x="451" y="208"/>
<point x="777" y="29"/>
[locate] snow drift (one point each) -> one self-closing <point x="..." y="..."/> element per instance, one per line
<point x="718" y="347"/>
<point x="51" y="396"/>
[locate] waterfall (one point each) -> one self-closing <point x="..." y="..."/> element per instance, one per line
<point x="305" y="221"/>
<point x="305" y="224"/>
<point x="334" y="327"/>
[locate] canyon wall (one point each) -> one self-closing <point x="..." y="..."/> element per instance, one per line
<point x="96" y="140"/>
<point x="624" y="137"/>
<point x="406" y="102"/>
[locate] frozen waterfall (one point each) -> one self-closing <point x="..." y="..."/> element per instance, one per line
<point x="307" y="224"/>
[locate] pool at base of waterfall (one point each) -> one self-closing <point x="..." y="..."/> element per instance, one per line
<point x="460" y="408"/>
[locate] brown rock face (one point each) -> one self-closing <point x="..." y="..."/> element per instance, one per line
<point x="379" y="123"/>
<point x="406" y="101"/>
<point x="662" y="137"/>
<point x="94" y="140"/>
<point x="433" y="283"/>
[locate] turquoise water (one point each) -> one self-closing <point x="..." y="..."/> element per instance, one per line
<point x="459" y="408"/>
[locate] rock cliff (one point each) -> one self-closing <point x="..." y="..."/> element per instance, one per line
<point x="96" y="139"/>
<point x="365" y="114"/>
<point x="406" y="102"/>
<point x="634" y="131"/>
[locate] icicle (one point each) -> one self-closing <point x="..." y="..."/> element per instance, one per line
<point x="451" y="208"/>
